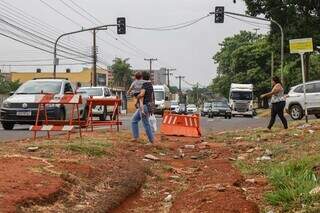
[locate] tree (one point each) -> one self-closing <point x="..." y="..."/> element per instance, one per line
<point x="122" y="73"/>
<point x="8" y="86"/>
<point x="243" y="58"/>
<point x="300" y="19"/>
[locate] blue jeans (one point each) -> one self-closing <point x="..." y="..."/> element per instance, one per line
<point x="138" y="116"/>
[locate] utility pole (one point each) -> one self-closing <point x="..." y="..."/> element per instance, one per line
<point x="197" y="94"/>
<point x="180" y="78"/>
<point x="94" y="58"/>
<point x="272" y="66"/>
<point x="150" y="60"/>
<point x="168" y="73"/>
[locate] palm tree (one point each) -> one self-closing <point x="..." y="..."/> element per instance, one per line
<point x="122" y="73"/>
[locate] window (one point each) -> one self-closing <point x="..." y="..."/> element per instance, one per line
<point x="241" y="95"/>
<point x="317" y="87"/>
<point x="37" y="87"/>
<point x="311" y="88"/>
<point x="68" y="88"/>
<point x="299" y="89"/>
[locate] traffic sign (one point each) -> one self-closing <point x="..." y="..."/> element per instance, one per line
<point x="301" y="45"/>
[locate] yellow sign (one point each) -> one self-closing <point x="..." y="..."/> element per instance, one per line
<point x="301" y="45"/>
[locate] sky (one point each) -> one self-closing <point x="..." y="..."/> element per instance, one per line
<point x="188" y="50"/>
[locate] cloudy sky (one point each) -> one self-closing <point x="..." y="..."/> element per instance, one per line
<point x="189" y="50"/>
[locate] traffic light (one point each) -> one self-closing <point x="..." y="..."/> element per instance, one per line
<point x="121" y="25"/>
<point x="219" y="15"/>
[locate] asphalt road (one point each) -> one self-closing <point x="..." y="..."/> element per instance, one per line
<point x="208" y="126"/>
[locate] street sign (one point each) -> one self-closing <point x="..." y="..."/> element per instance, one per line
<point x="301" y="45"/>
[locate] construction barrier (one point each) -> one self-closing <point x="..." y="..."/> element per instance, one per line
<point x="57" y="125"/>
<point x="180" y="125"/>
<point x="93" y="102"/>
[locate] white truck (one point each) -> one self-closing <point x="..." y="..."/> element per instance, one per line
<point x="241" y="99"/>
<point x="162" y="98"/>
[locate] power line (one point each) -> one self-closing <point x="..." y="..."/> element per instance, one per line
<point x="41" y="38"/>
<point x="57" y="11"/>
<point x="39" y="48"/>
<point x="170" y="28"/>
<point x="33" y="20"/>
<point x="41" y="65"/>
<point x="252" y="23"/>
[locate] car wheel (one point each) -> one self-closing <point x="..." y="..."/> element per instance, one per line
<point x="229" y="116"/>
<point x="317" y="115"/>
<point x="7" y="126"/>
<point x="62" y="114"/>
<point x="103" y="117"/>
<point x="296" y="112"/>
<point x="85" y="113"/>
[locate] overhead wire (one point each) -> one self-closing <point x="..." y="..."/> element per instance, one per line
<point x="27" y="28"/>
<point x="30" y="19"/>
<point x="171" y="27"/>
<point x="252" y="23"/>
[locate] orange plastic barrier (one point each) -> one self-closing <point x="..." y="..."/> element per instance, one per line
<point x="93" y="102"/>
<point x="53" y="125"/>
<point x="181" y="125"/>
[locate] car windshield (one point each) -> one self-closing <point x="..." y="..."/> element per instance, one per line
<point x="191" y="106"/>
<point x="241" y="95"/>
<point x="92" y="91"/>
<point x="37" y="87"/>
<point x="159" y="95"/>
<point x="220" y="104"/>
<point x="207" y="105"/>
<point x="174" y="103"/>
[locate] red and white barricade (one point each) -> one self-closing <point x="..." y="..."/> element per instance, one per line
<point x="116" y="103"/>
<point x="43" y="100"/>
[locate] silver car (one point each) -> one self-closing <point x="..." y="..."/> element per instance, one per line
<point x="20" y="108"/>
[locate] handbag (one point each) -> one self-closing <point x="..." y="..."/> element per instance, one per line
<point x="153" y="123"/>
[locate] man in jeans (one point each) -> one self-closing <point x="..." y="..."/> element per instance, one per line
<point x="144" y="111"/>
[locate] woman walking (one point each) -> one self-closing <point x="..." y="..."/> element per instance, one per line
<point x="144" y="110"/>
<point x="278" y="102"/>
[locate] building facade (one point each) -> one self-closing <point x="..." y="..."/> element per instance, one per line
<point x="84" y="77"/>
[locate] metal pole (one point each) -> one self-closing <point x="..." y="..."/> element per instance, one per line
<point x="55" y="59"/>
<point x="272" y="66"/>
<point x="304" y="86"/>
<point x="94" y="59"/>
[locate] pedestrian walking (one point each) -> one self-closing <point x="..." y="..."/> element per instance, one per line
<point x="278" y="102"/>
<point x="145" y="109"/>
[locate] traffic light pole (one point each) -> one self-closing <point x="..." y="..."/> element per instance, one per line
<point x="273" y="21"/>
<point x="55" y="60"/>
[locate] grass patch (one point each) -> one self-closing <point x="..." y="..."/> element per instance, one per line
<point x="93" y="149"/>
<point x="292" y="182"/>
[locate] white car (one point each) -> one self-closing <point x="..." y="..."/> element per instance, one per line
<point x="192" y="109"/>
<point x="20" y="108"/>
<point x="295" y="100"/>
<point x="99" y="92"/>
<point x="174" y="107"/>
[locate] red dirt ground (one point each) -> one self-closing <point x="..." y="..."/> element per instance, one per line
<point x="201" y="179"/>
<point x="18" y="183"/>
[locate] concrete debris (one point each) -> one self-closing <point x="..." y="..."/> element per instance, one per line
<point x="33" y="148"/>
<point x="189" y="146"/>
<point x="268" y="153"/>
<point x="315" y="191"/>
<point x="151" y="157"/>
<point x="250" y="180"/>
<point x="168" y="198"/>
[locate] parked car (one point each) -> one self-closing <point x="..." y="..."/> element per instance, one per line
<point x="192" y="109"/>
<point x="174" y="106"/>
<point x="295" y="100"/>
<point x="99" y="92"/>
<point x="220" y="108"/>
<point x="20" y="108"/>
<point x="205" y="109"/>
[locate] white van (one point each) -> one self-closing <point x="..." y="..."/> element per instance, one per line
<point x="241" y="99"/>
<point x="162" y="98"/>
